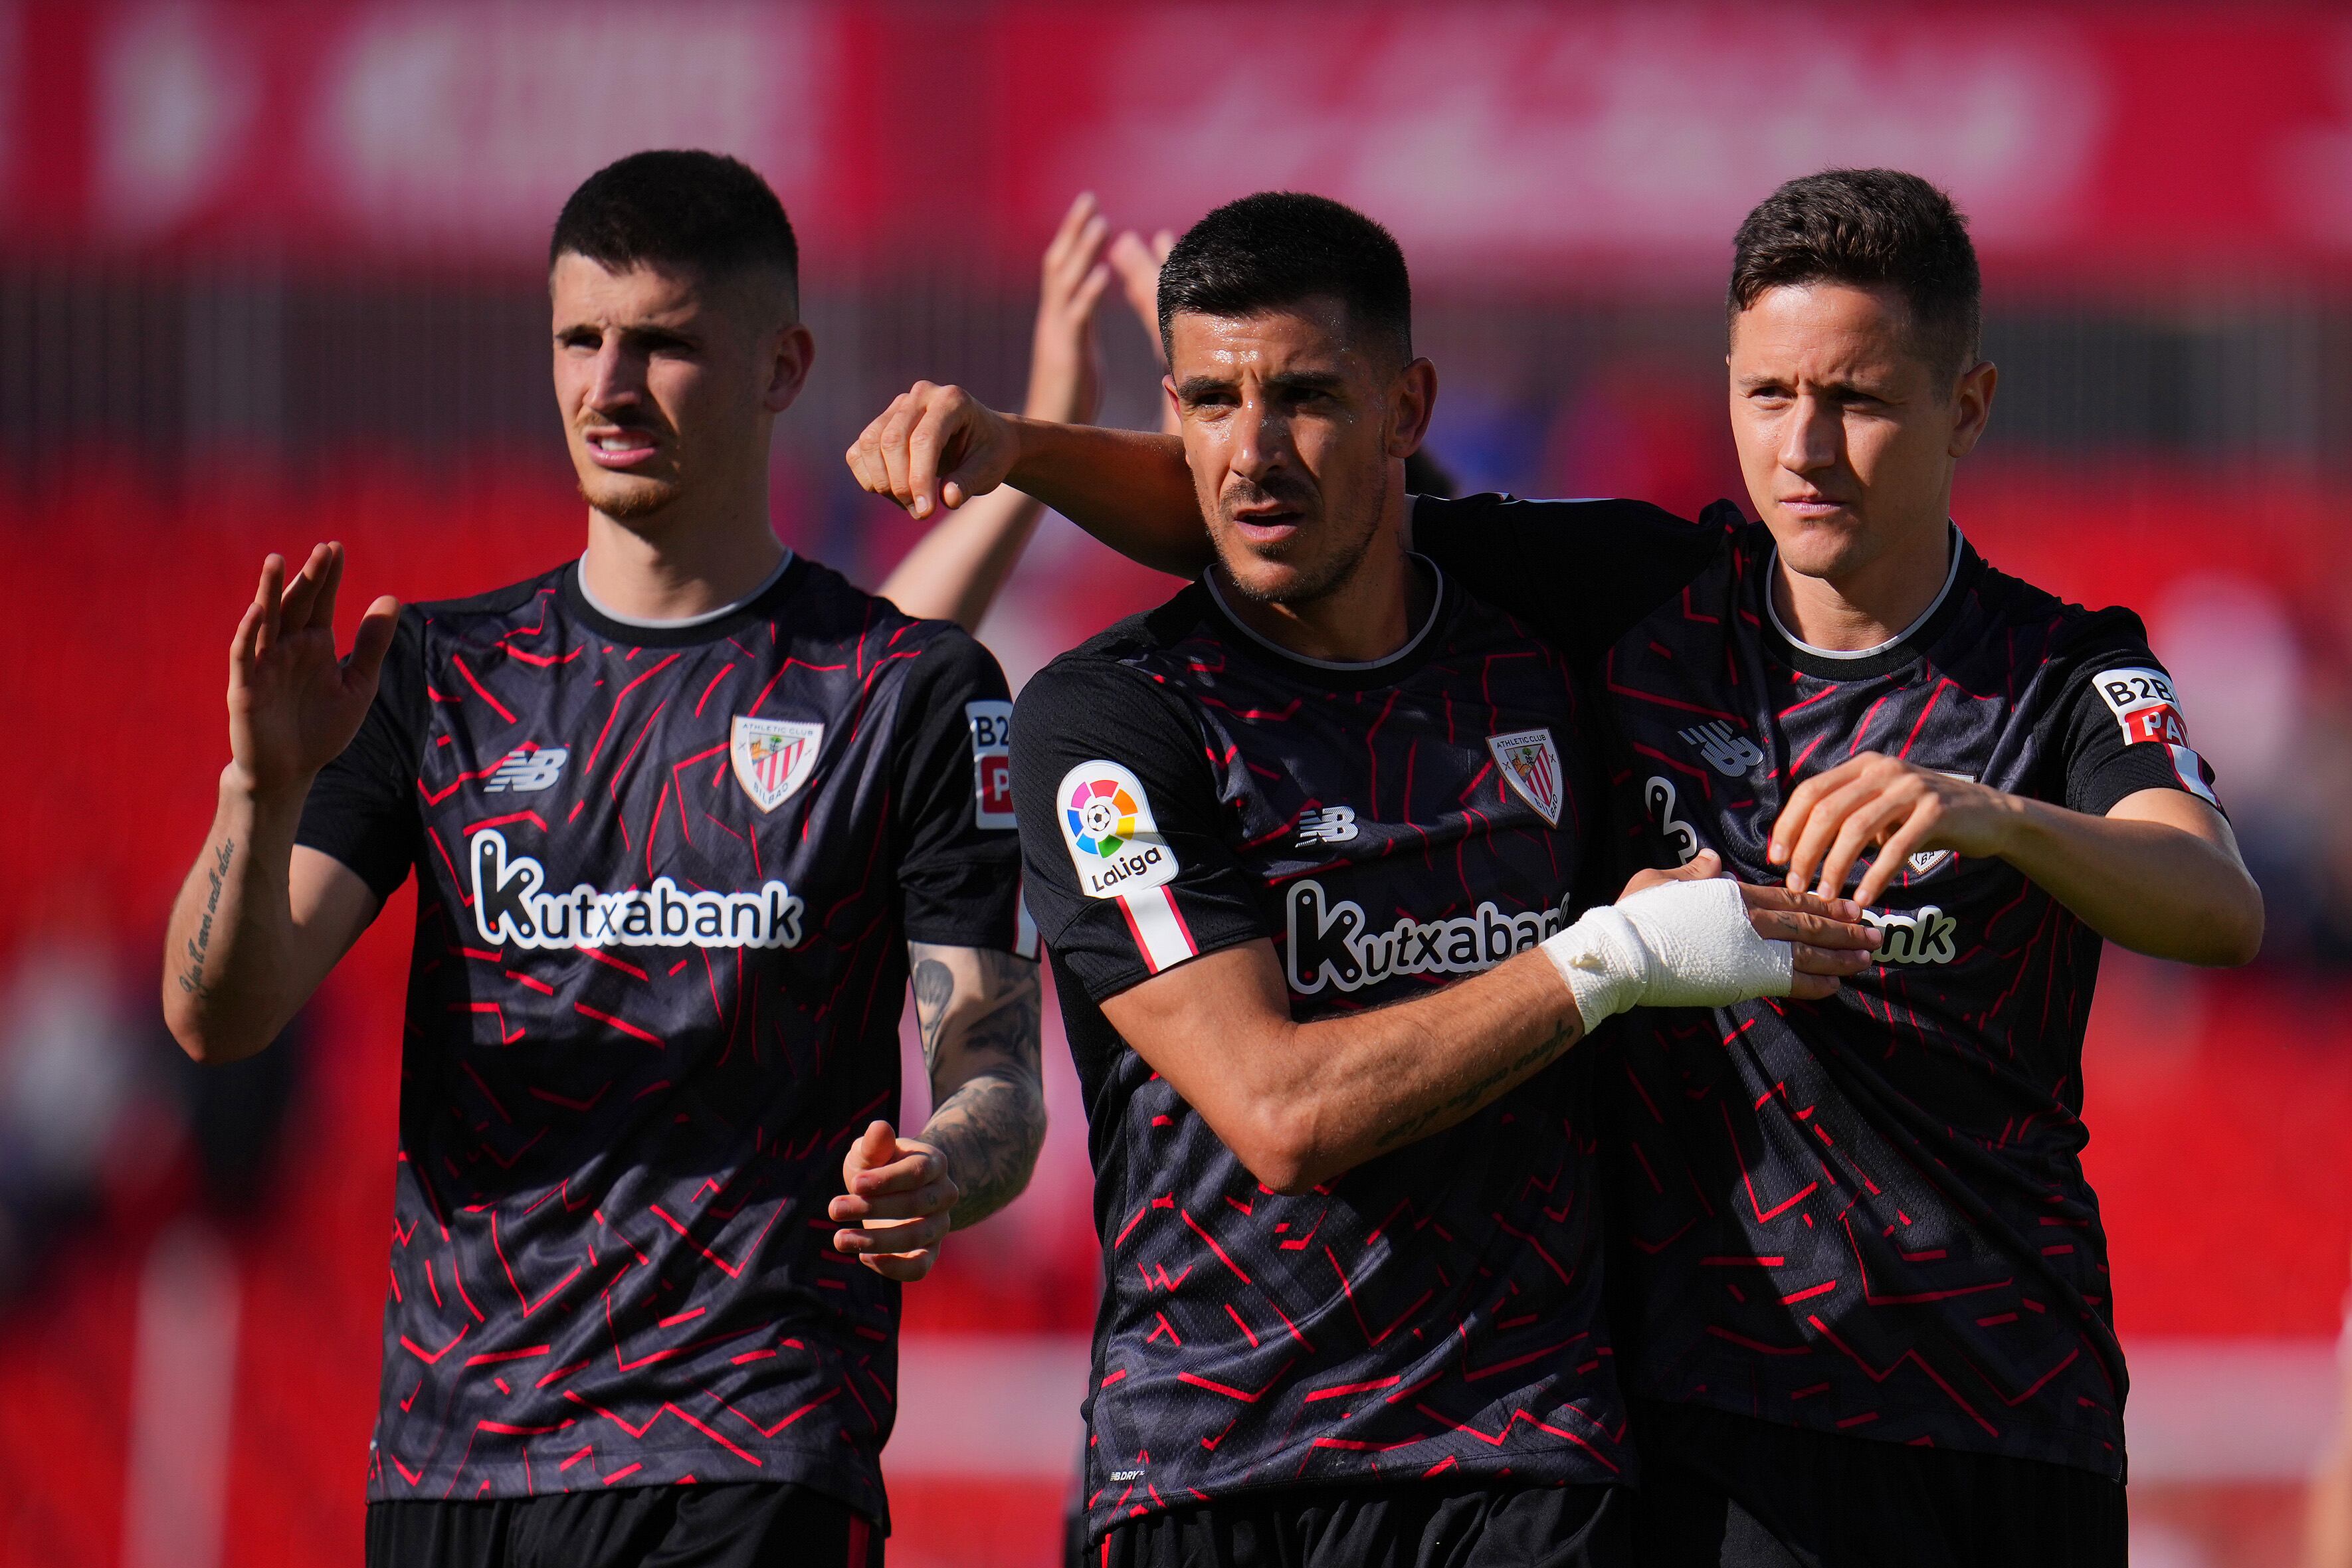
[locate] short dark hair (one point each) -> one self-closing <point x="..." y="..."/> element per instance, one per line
<point x="701" y="210"/>
<point x="1280" y="247"/>
<point x="1869" y="228"/>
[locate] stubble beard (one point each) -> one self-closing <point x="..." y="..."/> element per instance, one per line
<point x="1306" y="587"/>
<point x="630" y="504"/>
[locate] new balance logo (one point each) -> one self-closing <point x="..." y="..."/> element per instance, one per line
<point x="1328" y="825"/>
<point x="526" y="773"/>
<point x="1727" y="754"/>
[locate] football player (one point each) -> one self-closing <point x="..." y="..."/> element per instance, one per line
<point x="1307" y="845"/>
<point x="684" y="814"/>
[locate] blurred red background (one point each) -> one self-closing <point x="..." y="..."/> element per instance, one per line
<point x="269" y="274"/>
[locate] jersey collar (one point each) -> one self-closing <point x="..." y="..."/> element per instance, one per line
<point x="1865" y="663"/>
<point x="714" y="625"/>
<point x="1345" y="674"/>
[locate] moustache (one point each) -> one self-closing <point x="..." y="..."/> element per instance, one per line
<point x="1284" y="493"/>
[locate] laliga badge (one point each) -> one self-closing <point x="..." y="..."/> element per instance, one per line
<point x="772" y="757"/>
<point x="1530" y="765"/>
<point x="1114" y="847"/>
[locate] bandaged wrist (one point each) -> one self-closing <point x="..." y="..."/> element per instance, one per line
<point x="1678" y="944"/>
<point x="1605" y="962"/>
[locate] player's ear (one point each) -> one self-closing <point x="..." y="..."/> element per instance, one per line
<point x="791" y="352"/>
<point x="1972" y="405"/>
<point x="1413" y="398"/>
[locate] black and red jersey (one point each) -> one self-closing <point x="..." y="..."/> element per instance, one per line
<point x="666" y="876"/>
<point x="1185" y="787"/>
<point x="1865" y="1215"/>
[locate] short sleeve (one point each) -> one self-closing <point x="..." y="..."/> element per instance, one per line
<point x="1125" y="848"/>
<point x="361" y="808"/>
<point x="2119" y="724"/>
<point x="959" y="860"/>
<point x="1581" y="571"/>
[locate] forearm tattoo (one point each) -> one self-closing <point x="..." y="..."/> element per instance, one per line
<point x="192" y="978"/>
<point x="977" y="1012"/>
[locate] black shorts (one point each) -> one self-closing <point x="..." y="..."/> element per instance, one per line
<point x="754" y="1525"/>
<point x="1371" y="1525"/>
<point x="1720" y="1490"/>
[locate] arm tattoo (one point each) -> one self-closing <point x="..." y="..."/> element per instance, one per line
<point x="980" y="1042"/>
<point x="1475" y="1095"/>
<point x="191" y="979"/>
<point x="934" y="988"/>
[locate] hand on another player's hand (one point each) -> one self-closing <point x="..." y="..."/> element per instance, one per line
<point x="292" y="705"/>
<point x="1065" y="360"/>
<point x="1827" y="935"/>
<point x="1870" y="799"/>
<point x="898" y="1201"/>
<point x="934" y="446"/>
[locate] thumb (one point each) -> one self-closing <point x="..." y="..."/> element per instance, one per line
<point x="370" y="643"/>
<point x="877" y="1145"/>
<point x="1702" y="867"/>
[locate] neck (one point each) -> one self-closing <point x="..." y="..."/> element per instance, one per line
<point x="1874" y="603"/>
<point x="668" y="567"/>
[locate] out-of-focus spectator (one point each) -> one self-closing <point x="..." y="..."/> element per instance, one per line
<point x="2281" y="743"/>
<point x="2327" y="1518"/>
<point x="68" y="1071"/>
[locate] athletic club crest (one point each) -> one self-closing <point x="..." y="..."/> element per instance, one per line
<point x="1530" y="764"/>
<point x="772" y="757"/>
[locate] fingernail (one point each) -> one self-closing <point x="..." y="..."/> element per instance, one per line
<point x="922" y="507"/>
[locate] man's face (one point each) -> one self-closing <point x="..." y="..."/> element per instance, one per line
<point x="667" y="382"/>
<point x="1289" y="422"/>
<point x="1847" y="433"/>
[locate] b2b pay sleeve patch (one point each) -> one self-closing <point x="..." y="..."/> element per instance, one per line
<point x="992" y="762"/>
<point x="2143" y="704"/>
<point x="1117" y="852"/>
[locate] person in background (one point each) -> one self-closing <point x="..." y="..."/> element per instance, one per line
<point x="955" y="571"/>
<point x="2327" y="1511"/>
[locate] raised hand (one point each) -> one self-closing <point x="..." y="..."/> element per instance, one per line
<point x="1065" y="360"/>
<point x="1828" y="935"/>
<point x="934" y="446"/>
<point x="293" y="705"/>
<point x="1138" y="262"/>
<point x="898" y="1202"/>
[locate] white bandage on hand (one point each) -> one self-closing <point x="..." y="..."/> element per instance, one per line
<point x="1678" y="944"/>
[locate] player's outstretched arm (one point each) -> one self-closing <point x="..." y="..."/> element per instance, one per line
<point x="1301" y="1103"/>
<point x="955" y="571"/>
<point x="2158" y="873"/>
<point x="939" y="446"/>
<point x="976" y="1010"/>
<point x="260" y="922"/>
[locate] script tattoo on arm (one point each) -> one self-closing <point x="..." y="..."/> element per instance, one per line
<point x="1472" y="1096"/>
<point x="191" y="979"/>
<point x="977" y="1011"/>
